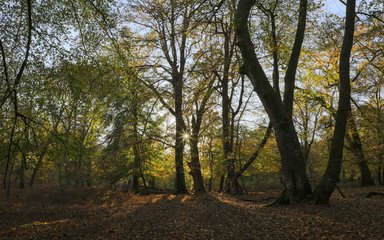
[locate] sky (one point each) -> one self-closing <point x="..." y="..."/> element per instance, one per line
<point x="335" y="6"/>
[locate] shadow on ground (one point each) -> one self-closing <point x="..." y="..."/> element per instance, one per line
<point x="105" y="214"/>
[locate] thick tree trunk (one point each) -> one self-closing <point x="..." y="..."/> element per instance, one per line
<point x="295" y="181"/>
<point x="232" y="186"/>
<point x="365" y="174"/>
<point x="180" y="186"/>
<point x="354" y="145"/>
<point x="194" y="165"/>
<point x="327" y="184"/>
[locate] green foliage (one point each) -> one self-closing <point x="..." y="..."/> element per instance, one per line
<point x="85" y="113"/>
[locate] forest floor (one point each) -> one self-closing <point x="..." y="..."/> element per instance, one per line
<point x="47" y="212"/>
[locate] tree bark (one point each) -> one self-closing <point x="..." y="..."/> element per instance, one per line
<point x="290" y="74"/>
<point x="327" y="184"/>
<point x="194" y="165"/>
<point x="295" y="181"/>
<point x="221" y="185"/>
<point x="275" y="74"/>
<point x="180" y="186"/>
<point x="354" y="145"/>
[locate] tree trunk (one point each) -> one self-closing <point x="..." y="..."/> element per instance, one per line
<point x="290" y="74"/>
<point x="180" y="186"/>
<point x="194" y="165"/>
<point x="327" y="184"/>
<point x="232" y="186"/>
<point x="365" y="174"/>
<point x="355" y="146"/>
<point x="275" y="74"/>
<point x="221" y="185"/>
<point x="296" y="184"/>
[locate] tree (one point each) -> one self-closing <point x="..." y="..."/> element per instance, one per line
<point x="196" y="124"/>
<point x="324" y="85"/>
<point x="327" y="184"/>
<point x="225" y="27"/>
<point x="295" y="181"/>
<point x="306" y="117"/>
<point x="172" y="24"/>
<point x="12" y="82"/>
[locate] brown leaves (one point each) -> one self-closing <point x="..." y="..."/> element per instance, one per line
<point x="102" y="214"/>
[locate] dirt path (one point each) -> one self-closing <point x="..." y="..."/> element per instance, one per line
<point x="113" y="215"/>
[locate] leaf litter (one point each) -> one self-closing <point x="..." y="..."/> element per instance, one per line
<point x="94" y="213"/>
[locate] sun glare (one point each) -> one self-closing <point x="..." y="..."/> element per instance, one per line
<point x="186" y="136"/>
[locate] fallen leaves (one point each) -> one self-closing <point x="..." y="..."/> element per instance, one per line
<point x="103" y="214"/>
